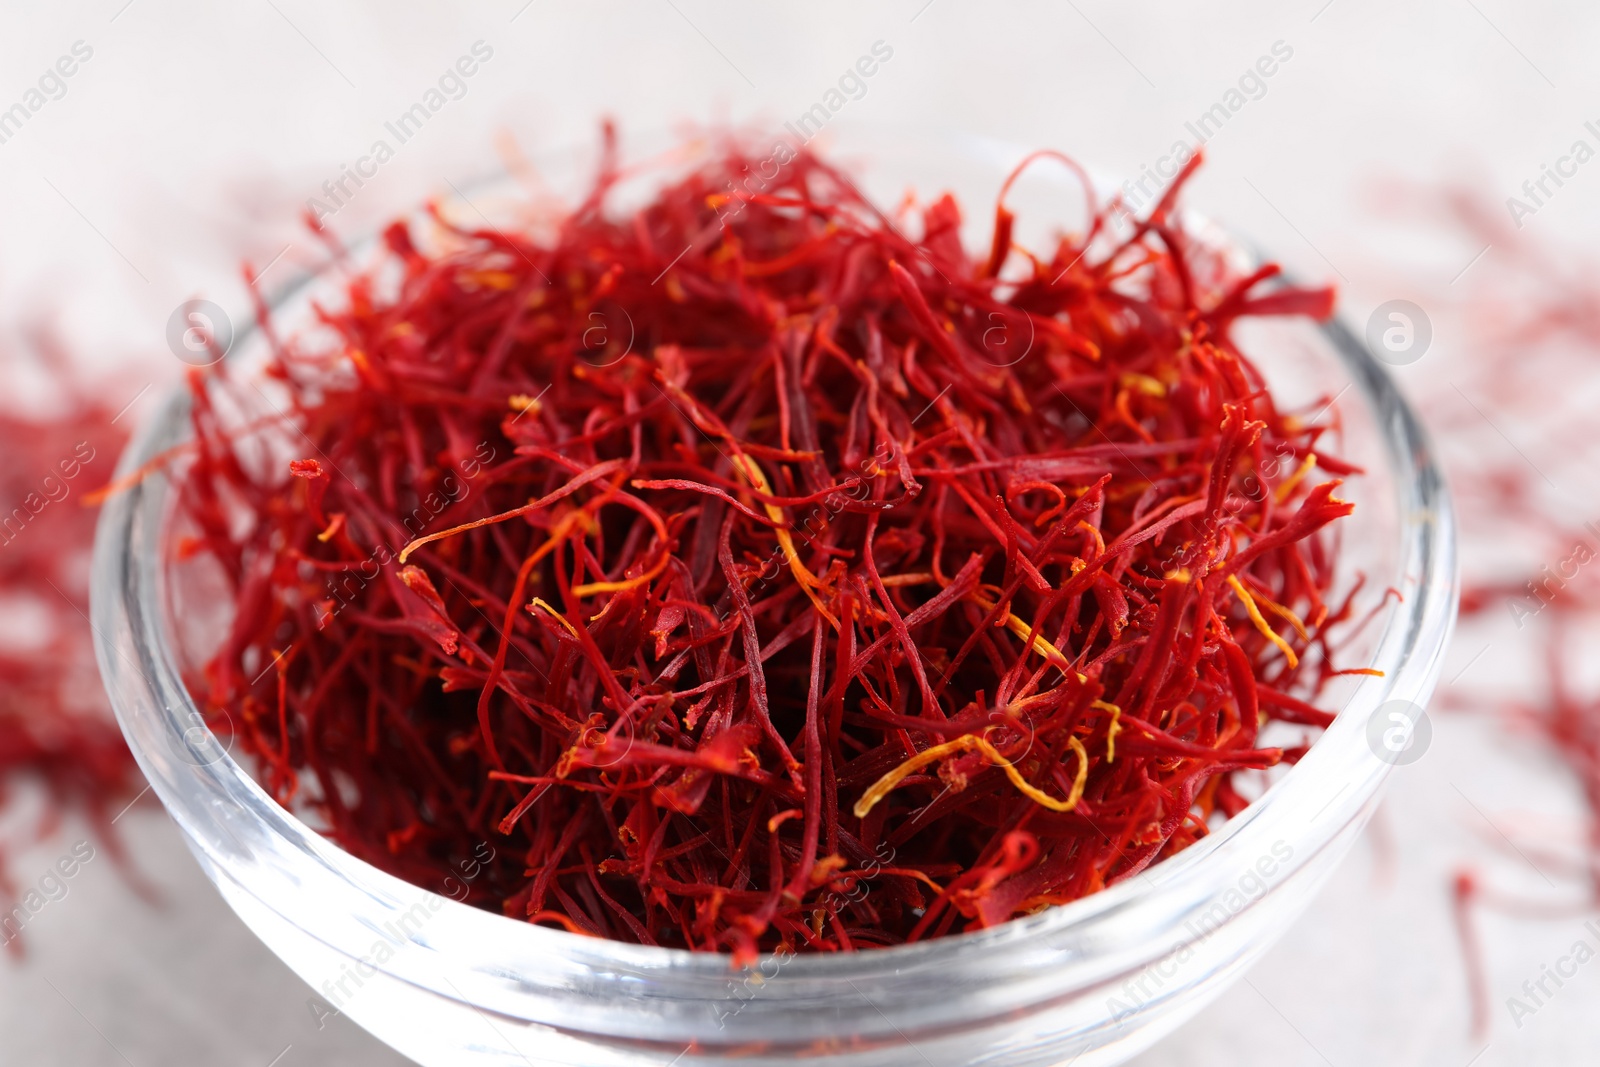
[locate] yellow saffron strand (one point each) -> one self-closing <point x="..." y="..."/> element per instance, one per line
<point x="1113" y="730"/>
<point x="894" y="581"/>
<point x="1261" y="623"/>
<point x="1278" y="609"/>
<point x="592" y="588"/>
<point x="1079" y="780"/>
<point x="539" y="602"/>
<point x="1281" y="493"/>
<point x="809" y="582"/>
<point x="885" y="785"/>
<point x="1023" y="630"/>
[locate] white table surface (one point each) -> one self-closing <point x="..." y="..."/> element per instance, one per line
<point x="192" y="136"/>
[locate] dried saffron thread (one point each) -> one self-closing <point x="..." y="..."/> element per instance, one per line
<point x="1261" y="623"/>
<point x="702" y="558"/>
<point x="885" y="785"/>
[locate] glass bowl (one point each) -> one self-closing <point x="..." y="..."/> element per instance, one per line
<point x="1087" y="983"/>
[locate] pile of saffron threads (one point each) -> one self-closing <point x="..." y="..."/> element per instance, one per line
<point x="61" y="753"/>
<point x="722" y="566"/>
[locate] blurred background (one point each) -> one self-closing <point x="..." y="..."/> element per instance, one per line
<point x="190" y="137"/>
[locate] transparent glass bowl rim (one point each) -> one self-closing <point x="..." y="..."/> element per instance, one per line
<point x="129" y="614"/>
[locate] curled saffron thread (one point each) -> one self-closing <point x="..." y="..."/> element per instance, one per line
<point x="885" y="785"/>
<point x="1113" y="729"/>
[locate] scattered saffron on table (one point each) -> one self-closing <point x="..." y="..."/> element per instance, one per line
<point x="754" y="574"/>
<point x="1530" y="330"/>
<point x="61" y="753"/>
